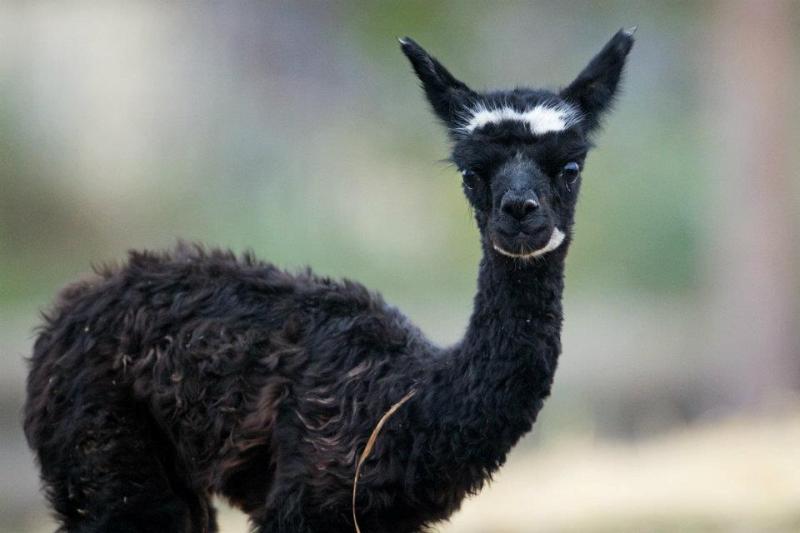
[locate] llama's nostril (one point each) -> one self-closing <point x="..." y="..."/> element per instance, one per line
<point x="519" y="208"/>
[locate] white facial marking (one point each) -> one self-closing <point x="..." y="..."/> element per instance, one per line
<point x="540" y="119"/>
<point x="556" y="238"/>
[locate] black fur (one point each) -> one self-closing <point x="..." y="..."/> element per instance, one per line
<point x="185" y="374"/>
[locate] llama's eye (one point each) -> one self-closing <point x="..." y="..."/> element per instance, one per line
<point x="469" y="176"/>
<point x="570" y="172"/>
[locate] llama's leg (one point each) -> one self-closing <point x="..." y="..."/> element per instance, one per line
<point x="281" y="521"/>
<point x="283" y="512"/>
<point x="283" y="525"/>
<point x="107" y="471"/>
<point x="284" y="505"/>
<point x="211" y="519"/>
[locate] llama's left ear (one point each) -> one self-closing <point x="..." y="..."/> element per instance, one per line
<point x="594" y="89"/>
<point x="447" y="95"/>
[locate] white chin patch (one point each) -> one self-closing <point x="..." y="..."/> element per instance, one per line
<point x="556" y="238"/>
<point x="540" y="119"/>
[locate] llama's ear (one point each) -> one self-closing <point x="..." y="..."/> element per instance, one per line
<point x="594" y="89"/>
<point x="447" y="95"/>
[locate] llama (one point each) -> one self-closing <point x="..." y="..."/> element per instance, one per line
<point x="190" y="373"/>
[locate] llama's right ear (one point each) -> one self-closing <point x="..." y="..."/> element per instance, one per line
<point x="447" y="95"/>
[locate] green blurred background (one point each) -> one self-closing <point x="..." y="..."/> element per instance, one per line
<point x="298" y="130"/>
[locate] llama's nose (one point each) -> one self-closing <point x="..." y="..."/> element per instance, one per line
<point x="519" y="205"/>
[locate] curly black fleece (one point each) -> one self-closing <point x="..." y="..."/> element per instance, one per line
<point x="179" y="375"/>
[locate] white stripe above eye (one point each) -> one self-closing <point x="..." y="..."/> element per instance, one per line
<point x="540" y="119"/>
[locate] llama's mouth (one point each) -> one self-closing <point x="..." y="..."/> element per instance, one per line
<point x="556" y="238"/>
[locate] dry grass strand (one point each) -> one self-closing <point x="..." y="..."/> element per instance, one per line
<point x="371" y="444"/>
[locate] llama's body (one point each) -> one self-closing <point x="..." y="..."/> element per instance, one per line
<point x="181" y="375"/>
<point x="233" y="377"/>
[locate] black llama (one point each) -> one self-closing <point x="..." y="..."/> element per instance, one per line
<point x="190" y="373"/>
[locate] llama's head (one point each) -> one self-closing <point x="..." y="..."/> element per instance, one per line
<point x="521" y="152"/>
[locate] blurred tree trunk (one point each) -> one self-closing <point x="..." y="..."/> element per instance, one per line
<point x="751" y="257"/>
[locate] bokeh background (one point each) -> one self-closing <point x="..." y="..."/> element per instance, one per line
<point x="297" y="130"/>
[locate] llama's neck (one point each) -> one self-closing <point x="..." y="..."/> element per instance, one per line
<point x="492" y="385"/>
<point x="511" y="347"/>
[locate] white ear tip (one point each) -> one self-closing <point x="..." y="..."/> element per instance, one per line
<point x="630" y="31"/>
<point x="402" y="40"/>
